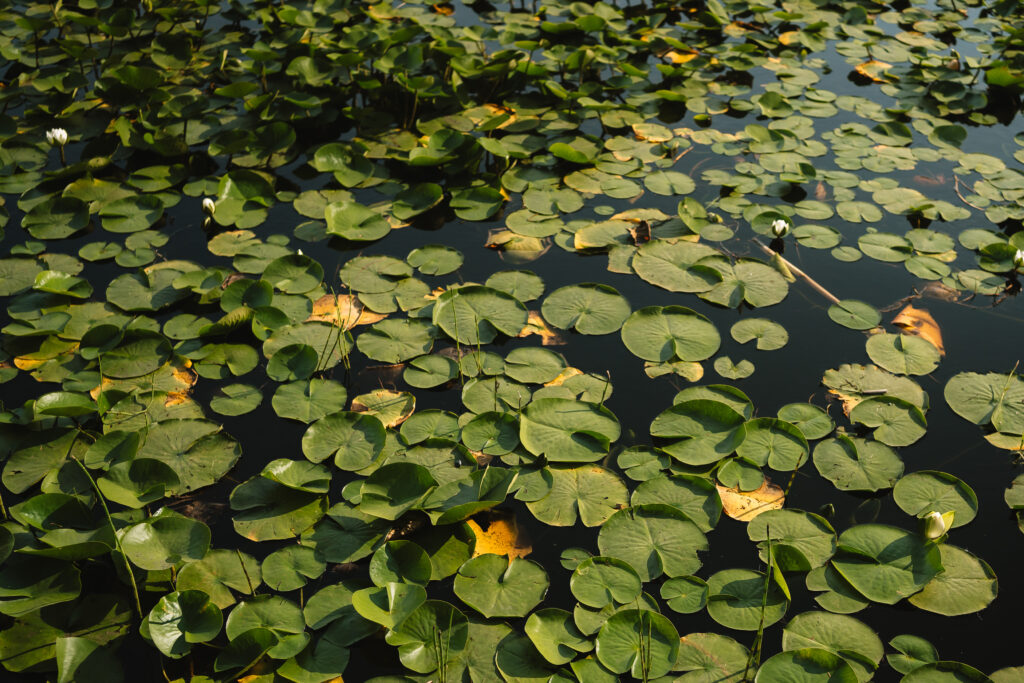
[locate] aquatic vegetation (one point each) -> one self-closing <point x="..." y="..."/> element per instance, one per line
<point x="283" y="403"/>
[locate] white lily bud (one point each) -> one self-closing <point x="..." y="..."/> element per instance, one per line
<point x="57" y="137"/>
<point x="780" y="227"/>
<point x="209" y="206"/>
<point x="1018" y="259"/>
<point x="936" y="524"/>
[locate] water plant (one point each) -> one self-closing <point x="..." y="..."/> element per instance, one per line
<point x="334" y="204"/>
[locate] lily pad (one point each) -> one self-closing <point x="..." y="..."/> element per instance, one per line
<point x="586" y="308"/>
<point x="654" y="539"/>
<point x="884" y="563"/>
<point x="661" y="333"/>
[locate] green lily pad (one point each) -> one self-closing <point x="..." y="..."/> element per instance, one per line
<point x="565" y="430"/>
<point x="308" y="400"/>
<point x="685" y="594"/>
<point x="675" y="265"/>
<point x="355" y="222"/>
<point x="354" y="439"/>
<point x="601" y="581"/>
<point x="854" y="464"/>
<point x="435" y="259"/>
<point x="991" y="397"/>
<point x="400" y="562"/>
<point x="180" y="619"/>
<point x="884" y="563"/>
<point x="661" y="333"/>
<point x="695" y="496"/>
<point x="709" y="431"/>
<point x="415" y="637"/>
<point x="966" y="585"/>
<point x="586" y="308"/>
<point x="806" y="665"/>
<point x="800" y="541"/>
<point x="735" y="599"/>
<point x="925" y="491"/>
<point x="639" y="641"/>
<point x="555" y="635"/>
<point x="165" y="540"/>
<point x="903" y="354"/>
<point x="896" y="422"/>
<point x="476" y="315"/>
<point x="857" y="315"/>
<point x="711" y="658"/>
<point x="498" y="586"/>
<point x="394" y="341"/>
<point x="236" y="399"/>
<point x="219" y="573"/>
<point x="591" y="492"/>
<point x="654" y="539"/>
<point x="769" y="334"/>
<point x="838" y="634"/>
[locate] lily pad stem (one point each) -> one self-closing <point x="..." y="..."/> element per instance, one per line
<point x="238" y="552"/>
<point x="110" y="521"/>
<point x="796" y="271"/>
<point x="754" y="658"/>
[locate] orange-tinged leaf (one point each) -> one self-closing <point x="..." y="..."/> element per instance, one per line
<point x="501" y="537"/>
<point x="681" y="57"/>
<point x="745" y="505"/>
<point x="443" y="8"/>
<point x="343" y="310"/>
<point x="874" y="70"/>
<point x="789" y="37"/>
<point x="390" y="407"/>
<point x="918" y="321"/>
<point x="535" y="325"/>
<point x="564" y="375"/>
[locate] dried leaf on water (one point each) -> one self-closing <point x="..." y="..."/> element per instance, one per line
<point x="919" y="322"/>
<point x="501" y="537"/>
<point x="746" y="505"/>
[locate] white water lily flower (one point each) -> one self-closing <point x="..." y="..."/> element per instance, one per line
<point x="57" y="137"/>
<point x="936" y="524"/>
<point x="1018" y="259"/>
<point x="780" y="227"/>
<point x="209" y="206"/>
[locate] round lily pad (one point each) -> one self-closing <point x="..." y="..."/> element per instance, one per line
<point x="735" y="598"/>
<point x="587" y="308"/>
<point x="496" y="586"/>
<point x="903" y="354"/>
<point x="661" y="333"/>
<point x="654" y="539"/>
<point x="769" y="334"/>
<point x="884" y="563"/>
<point x="920" y="493"/>
<point x="857" y="315"/>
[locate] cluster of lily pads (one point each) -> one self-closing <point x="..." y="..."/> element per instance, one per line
<point x="658" y="140"/>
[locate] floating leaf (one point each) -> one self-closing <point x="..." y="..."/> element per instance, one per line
<point x="884" y="563"/>
<point x="769" y="334"/>
<point x="854" y="314"/>
<point x="590" y="491"/>
<point x="564" y="430"/>
<point x="854" y="464"/>
<point x="736" y="599"/>
<point x="966" y="585"/>
<point x="587" y="308"/>
<point x="925" y="491"/>
<point x="639" y="641"/>
<point x="746" y="505"/>
<point x="654" y="539"/>
<point x="501" y="587"/>
<point x="807" y="664"/>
